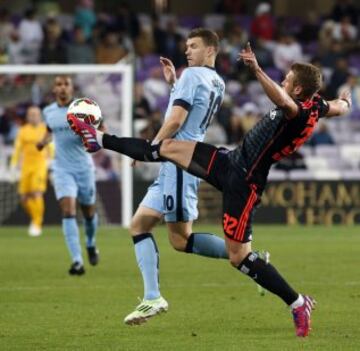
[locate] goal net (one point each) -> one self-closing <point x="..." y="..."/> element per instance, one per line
<point x="112" y="87"/>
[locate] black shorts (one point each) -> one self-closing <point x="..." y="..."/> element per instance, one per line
<point x="240" y="198"/>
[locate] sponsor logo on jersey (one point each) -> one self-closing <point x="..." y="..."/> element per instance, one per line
<point x="272" y="114"/>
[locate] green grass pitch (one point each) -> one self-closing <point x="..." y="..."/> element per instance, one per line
<point x="212" y="306"/>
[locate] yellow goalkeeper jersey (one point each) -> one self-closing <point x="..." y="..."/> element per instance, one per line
<point x="25" y="148"/>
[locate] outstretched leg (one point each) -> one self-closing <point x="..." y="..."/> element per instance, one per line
<point x="179" y="152"/>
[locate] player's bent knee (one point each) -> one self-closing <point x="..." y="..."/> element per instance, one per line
<point x="137" y="227"/>
<point x="178" y="246"/>
<point x="236" y="259"/>
<point x="178" y="242"/>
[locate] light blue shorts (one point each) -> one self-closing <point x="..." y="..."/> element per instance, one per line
<point x="174" y="194"/>
<point x="80" y="185"/>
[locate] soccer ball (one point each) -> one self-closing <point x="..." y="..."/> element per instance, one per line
<point x="87" y="110"/>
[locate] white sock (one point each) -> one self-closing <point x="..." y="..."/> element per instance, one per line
<point x="99" y="137"/>
<point x="298" y="302"/>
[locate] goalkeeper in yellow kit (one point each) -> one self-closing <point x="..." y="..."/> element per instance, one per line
<point x="33" y="164"/>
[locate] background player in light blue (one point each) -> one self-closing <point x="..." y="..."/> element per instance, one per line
<point x="74" y="176"/>
<point x="194" y="100"/>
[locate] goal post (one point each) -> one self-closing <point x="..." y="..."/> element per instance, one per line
<point x="126" y="96"/>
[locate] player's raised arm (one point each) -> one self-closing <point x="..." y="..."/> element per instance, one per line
<point x="273" y="90"/>
<point x="168" y="70"/>
<point x="340" y="106"/>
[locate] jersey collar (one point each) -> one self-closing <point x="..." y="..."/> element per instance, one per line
<point x="67" y="105"/>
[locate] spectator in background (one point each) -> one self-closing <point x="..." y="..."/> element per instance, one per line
<point x="31" y="36"/>
<point x="250" y="115"/>
<point x="325" y="36"/>
<point x="262" y="26"/>
<point x="310" y="29"/>
<point x="352" y="84"/>
<point x="141" y="105"/>
<point x="16" y="49"/>
<point x="104" y="166"/>
<point x="180" y="60"/>
<point x="144" y="44"/>
<point x="345" y="8"/>
<point x="294" y="161"/>
<point x="5" y="125"/>
<point x="287" y="51"/>
<point x="333" y="54"/>
<point x="345" y="33"/>
<point x="155" y="121"/>
<point x="224" y="117"/>
<point x="155" y="87"/>
<point x="215" y="133"/>
<point x="126" y="21"/>
<point x="321" y="136"/>
<point x="4" y="58"/>
<point x="6" y="28"/>
<point x="158" y="34"/>
<point x="79" y="50"/>
<point x="338" y="77"/>
<point x="234" y="40"/>
<point x="242" y="120"/>
<point x="263" y="54"/>
<point x="170" y="45"/>
<point x="85" y="17"/>
<point x="53" y="49"/>
<point x="109" y="50"/>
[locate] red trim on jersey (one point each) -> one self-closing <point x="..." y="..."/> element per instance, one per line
<point x="211" y="162"/>
<point x="271" y="141"/>
<point x="244" y="218"/>
<point x="301" y="139"/>
<point x="307" y="104"/>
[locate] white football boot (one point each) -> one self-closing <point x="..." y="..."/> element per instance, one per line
<point x="34" y="230"/>
<point x="146" y="310"/>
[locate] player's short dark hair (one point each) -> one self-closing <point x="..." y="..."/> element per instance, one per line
<point x="308" y="77"/>
<point x="209" y="37"/>
<point x="63" y="76"/>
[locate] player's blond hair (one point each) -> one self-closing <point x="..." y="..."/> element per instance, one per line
<point x="308" y="77"/>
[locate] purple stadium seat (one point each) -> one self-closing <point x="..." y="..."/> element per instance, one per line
<point x="150" y="61"/>
<point x="244" y="21"/>
<point x="293" y="24"/>
<point x="241" y="99"/>
<point x="311" y="48"/>
<point x="162" y="102"/>
<point x="355" y="115"/>
<point x="354" y="61"/>
<point x="190" y="22"/>
<point x="141" y="75"/>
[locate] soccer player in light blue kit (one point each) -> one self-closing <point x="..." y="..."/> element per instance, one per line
<point x="195" y="98"/>
<point x="74" y="176"/>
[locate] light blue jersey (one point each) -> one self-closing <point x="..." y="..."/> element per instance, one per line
<point x="74" y="171"/>
<point x="69" y="150"/>
<point x="199" y="90"/>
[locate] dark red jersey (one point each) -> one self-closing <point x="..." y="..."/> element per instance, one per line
<point x="275" y="137"/>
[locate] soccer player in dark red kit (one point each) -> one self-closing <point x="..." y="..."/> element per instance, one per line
<point x="241" y="174"/>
